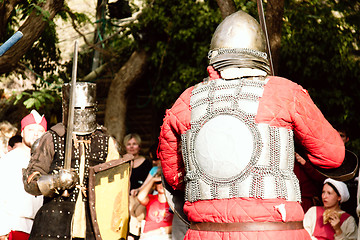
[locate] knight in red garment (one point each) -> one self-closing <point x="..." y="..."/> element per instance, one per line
<point x="228" y="142"/>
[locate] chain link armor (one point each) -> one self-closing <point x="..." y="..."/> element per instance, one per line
<point x="227" y="154"/>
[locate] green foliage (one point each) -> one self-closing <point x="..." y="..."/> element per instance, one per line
<point x="36" y="99"/>
<point x="44" y="56"/>
<point x="40" y="11"/>
<point x="319" y="46"/>
<point x="45" y="98"/>
<point x="177" y="34"/>
<point x="320" y="40"/>
<point x="43" y="59"/>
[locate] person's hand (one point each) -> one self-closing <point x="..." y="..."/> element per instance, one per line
<point x="334" y="221"/>
<point x="4" y="237"/>
<point x="66" y="179"/>
<point x="157" y="179"/>
<point x="134" y="192"/>
<point x="300" y="159"/>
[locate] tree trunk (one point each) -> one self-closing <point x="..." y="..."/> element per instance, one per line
<point x="6" y="8"/>
<point x="32" y="30"/>
<point x="274" y="15"/>
<point x="227" y="7"/>
<point x="116" y="104"/>
<point x="99" y="29"/>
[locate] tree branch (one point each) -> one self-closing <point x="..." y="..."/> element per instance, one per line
<point x="32" y="29"/>
<point x="6" y="8"/>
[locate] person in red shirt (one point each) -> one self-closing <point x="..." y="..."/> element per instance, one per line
<point x="158" y="218"/>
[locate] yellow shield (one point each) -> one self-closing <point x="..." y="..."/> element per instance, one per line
<point x="109" y="199"/>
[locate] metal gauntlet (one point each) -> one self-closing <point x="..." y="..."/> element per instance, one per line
<point x="62" y="180"/>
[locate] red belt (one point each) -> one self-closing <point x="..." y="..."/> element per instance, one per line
<point x="246" y="226"/>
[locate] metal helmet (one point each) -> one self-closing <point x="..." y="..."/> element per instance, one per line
<point x="238" y="41"/>
<point x="84" y="107"/>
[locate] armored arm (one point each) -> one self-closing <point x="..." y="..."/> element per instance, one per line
<point x="38" y="179"/>
<point x="51" y="184"/>
<point x="41" y="158"/>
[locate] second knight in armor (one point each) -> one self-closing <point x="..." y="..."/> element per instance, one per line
<point x="67" y="216"/>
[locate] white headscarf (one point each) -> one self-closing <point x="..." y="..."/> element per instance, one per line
<point x="341" y="188"/>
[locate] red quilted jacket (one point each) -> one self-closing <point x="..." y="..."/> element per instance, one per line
<point x="283" y="104"/>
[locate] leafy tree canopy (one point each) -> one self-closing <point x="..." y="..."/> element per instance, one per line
<point x="319" y="49"/>
<point x="320" y="52"/>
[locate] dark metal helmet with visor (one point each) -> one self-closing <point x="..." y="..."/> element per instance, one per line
<point x="84" y="107"/>
<point x="239" y="41"/>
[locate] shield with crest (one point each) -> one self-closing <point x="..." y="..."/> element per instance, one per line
<point x="109" y="199"/>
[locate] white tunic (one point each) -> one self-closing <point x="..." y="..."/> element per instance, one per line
<point x="17" y="207"/>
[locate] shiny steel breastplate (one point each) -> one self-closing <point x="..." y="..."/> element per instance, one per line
<point x="227" y="154"/>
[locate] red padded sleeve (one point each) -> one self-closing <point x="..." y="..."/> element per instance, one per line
<point x="322" y="142"/>
<point x="176" y="122"/>
<point x="286" y="104"/>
